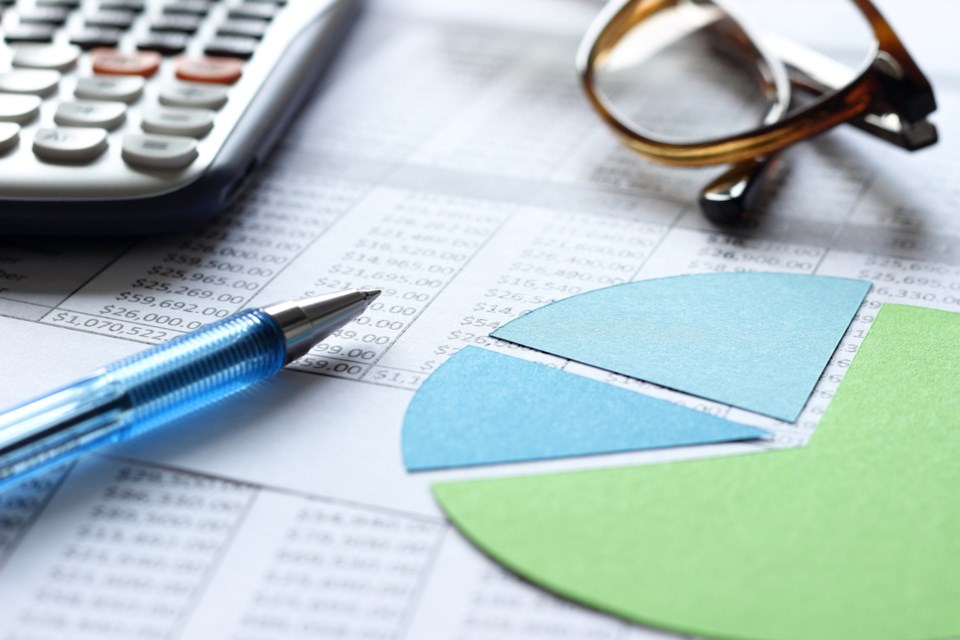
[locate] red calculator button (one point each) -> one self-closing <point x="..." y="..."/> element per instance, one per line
<point x="210" y="69"/>
<point x="119" y="63"/>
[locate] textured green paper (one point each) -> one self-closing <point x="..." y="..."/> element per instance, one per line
<point x="856" y="536"/>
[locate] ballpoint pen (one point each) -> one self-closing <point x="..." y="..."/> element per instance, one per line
<point x="134" y="395"/>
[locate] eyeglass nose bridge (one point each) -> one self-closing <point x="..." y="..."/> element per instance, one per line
<point x="728" y="196"/>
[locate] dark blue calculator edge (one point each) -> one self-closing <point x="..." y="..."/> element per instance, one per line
<point x="256" y="133"/>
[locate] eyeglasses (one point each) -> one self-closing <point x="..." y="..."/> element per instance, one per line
<point x="888" y="97"/>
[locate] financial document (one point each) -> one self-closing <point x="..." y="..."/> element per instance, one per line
<point x="451" y="161"/>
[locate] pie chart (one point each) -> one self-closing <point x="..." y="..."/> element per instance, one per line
<point x="755" y="340"/>
<point x="855" y="536"/>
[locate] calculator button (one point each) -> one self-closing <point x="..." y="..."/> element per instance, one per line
<point x="30" y="33"/>
<point x="39" y="82"/>
<point x="175" y="23"/>
<point x="191" y="94"/>
<point x="190" y="7"/>
<point x="165" y="44"/>
<point x="59" y="57"/>
<point x="178" y="121"/>
<point x="113" y="62"/>
<point x="216" y="70"/>
<point x="111" y="19"/>
<point x="232" y="47"/>
<point x="19" y="108"/>
<point x="69" y="143"/>
<point x="123" y="5"/>
<point x="108" y="115"/>
<point x="9" y="134"/>
<point x="91" y="37"/>
<point x="243" y="28"/>
<point x="159" y="152"/>
<point x="125" y="88"/>
<point x="254" y="11"/>
<point x="44" y="15"/>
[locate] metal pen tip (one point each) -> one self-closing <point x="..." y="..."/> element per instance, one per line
<point x="370" y="294"/>
<point x="307" y="321"/>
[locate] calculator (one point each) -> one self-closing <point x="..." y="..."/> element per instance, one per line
<point x="144" y="116"/>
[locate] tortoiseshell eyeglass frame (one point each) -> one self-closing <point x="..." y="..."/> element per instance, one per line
<point x="889" y="97"/>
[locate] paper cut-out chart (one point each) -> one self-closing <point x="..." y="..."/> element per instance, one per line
<point x="856" y="536"/>
<point x="758" y="341"/>
<point x="483" y="407"/>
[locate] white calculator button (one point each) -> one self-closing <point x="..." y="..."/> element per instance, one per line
<point x="159" y="152"/>
<point x="59" y="57"/>
<point x="177" y="121"/>
<point x="124" y="88"/>
<point x="108" y="115"/>
<point x="19" y="108"/>
<point x="9" y="134"/>
<point x="193" y="94"/>
<point x="69" y="143"/>
<point x="36" y="81"/>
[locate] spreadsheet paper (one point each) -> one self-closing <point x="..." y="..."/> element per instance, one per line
<point x="451" y="161"/>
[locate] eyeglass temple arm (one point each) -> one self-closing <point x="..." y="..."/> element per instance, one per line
<point x="900" y="120"/>
<point x="817" y="74"/>
<point x="727" y="198"/>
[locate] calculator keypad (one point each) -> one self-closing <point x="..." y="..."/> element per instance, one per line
<point x="69" y="144"/>
<point x="108" y="115"/>
<point x="158" y="151"/>
<point x="92" y="37"/>
<point x="193" y="94"/>
<point x="123" y="88"/>
<point x="45" y="15"/>
<point x="231" y="46"/>
<point x="59" y="57"/>
<point x="134" y="6"/>
<point x="254" y="10"/>
<point x="165" y="44"/>
<point x="19" y="108"/>
<point x="187" y="7"/>
<point x="25" y="32"/>
<point x="136" y="63"/>
<point x="39" y="82"/>
<point x="9" y="135"/>
<point x="218" y="70"/>
<point x="175" y="23"/>
<point x="134" y="88"/>
<point x="180" y="121"/>
<point x="243" y="28"/>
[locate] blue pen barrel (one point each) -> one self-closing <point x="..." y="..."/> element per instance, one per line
<point x="134" y="395"/>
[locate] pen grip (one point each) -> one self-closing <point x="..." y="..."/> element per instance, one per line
<point x="136" y="394"/>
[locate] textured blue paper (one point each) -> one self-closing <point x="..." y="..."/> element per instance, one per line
<point x="758" y="341"/>
<point x="482" y="407"/>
